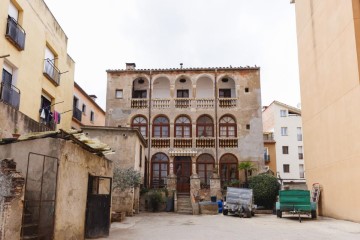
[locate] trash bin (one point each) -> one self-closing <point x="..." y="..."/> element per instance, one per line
<point x="220" y="205"/>
<point x="170" y="204"/>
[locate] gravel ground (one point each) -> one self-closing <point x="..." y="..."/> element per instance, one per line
<point x="172" y="226"/>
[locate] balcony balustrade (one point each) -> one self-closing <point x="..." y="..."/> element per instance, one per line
<point x="139" y="103"/>
<point x="228" y="142"/>
<point x="77" y="114"/>
<point x="51" y="72"/>
<point x="227" y="102"/>
<point x="183" y="143"/>
<point x="205" y="142"/>
<point x="161" y="103"/>
<point x="10" y="95"/>
<point x="15" y="33"/>
<point x="183" y="102"/>
<point x="160" y="142"/>
<point x="205" y="103"/>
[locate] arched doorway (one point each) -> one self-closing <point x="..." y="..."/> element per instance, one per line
<point x="183" y="171"/>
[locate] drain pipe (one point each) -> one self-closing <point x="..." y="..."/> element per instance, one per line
<point x="149" y="126"/>
<point x="216" y="122"/>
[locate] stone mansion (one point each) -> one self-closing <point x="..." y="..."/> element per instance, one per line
<point x="197" y="121"/>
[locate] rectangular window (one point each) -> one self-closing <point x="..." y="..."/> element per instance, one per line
<point x="284" y="131"/>
<point x="286" y="168"/>
<point x="183" y="93"/>
<point x="225" y="93"/>
<point x="285" y="149"/>
<point x="83" y="109"/>
<point x="50" y="69"/>
<point x="139" y="94"/>
<point x="140" y="156"/>
<point x="13" y="11"/>
<point x="118" y="93"/>
<point x="301" y="170"/>
<point x="92" y="116"/>
<point x="299" y="134"/>
<point x="300" y="151"/>
<point x="283" y="113"/>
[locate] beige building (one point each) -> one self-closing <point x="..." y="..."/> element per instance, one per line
<point x="86" y="112"/>
<point x="197" y="121"/>
<point x="329" y="51"/>
<point x="38" y="74"/>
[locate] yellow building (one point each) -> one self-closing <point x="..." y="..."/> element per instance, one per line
<point x="329" y="50"/>
<point x="38" y="74"/>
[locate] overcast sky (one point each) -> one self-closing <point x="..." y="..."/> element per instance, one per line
<point x="199" y="33"/>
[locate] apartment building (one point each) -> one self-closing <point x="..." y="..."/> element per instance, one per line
<point x="37" y="73"/>
<point x="196" y="121"/>
<point x="86" y="112"/>
<point x="329" y="49"/>
<point x="283" y="126"/>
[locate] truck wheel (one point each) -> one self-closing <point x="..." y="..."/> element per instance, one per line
<point x="313" y="214"/>
<point x="278" y="213"/>
<point x="225" y="212"/>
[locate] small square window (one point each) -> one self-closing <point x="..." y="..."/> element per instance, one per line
<point x="286" y="168"/>
<point x="248" y="126"/>
<point x="282" y="113"/>
<point x="119" y="93"/>
<point x="246" y="89"/>
<point x="285" y="149"/>
<point x="284" y="131"/>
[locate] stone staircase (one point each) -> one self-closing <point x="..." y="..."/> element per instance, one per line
<point x="184" y="204"/>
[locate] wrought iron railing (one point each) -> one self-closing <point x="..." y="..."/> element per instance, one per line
<point x="51" y="71"/>
<point x="77" y="113"/>
<point x="15" y="33"/>
<point x="10" y="95"/>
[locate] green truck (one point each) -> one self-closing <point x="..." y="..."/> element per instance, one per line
<point x="296" y="202"/>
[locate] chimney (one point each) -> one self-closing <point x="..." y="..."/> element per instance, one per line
<point x="130" y="66"/>
<point x="93" y="97"/>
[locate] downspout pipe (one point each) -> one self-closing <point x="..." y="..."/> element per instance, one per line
<point x="216" y="122"/>
<point x="149" y="128"/>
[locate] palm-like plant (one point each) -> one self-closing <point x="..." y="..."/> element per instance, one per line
<point x="247" y="166"/>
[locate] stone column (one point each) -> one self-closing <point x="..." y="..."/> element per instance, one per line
<point x="215" y="187"/>
<point x="194" y="184"/>
<point x="171" y="183"/>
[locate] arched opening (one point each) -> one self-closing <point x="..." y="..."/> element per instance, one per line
<point x="182" y="127"/>
<point x="140" y="122"/>
<point x="227" y="88"/>
<point x="205" y="164"/>
<point x="161" y="127"/>
<point x="161" y="88"/>
<point x="182" y="170"/>
<point x="140" y="88"/>
<point x="183" y="88"/>
<point x="159" y="170"/>
<point x="204" y="126"/>
<point x="227" y="127"/>
<point x="228" y="169"/>
<point x="204" y="88"/>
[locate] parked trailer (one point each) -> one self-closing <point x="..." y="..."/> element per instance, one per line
<point x="296" y="202"/>
<point x="239" y="201"/>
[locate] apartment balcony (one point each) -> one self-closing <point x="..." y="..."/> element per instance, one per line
<point x="228" y="142"/>
<point x="205" y="103"/>
<point x="160" y="142"/>
<point x="77" y="113"/>
<point x="51" y="72"/>
<point x="268" y="137"/>
<point x="139" y="103"/>
<point x="10" y="95"/>
<point x="266" y="158"/>
<point x="183" y="102"/>
<point x="183" y="143"/>
<point x="205" y="142"/>
<point x="228" y="102"/>
<point x="160" y="103"/>
<point x="15" y="34"/>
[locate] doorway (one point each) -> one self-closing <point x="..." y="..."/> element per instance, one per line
<point x="183" y="171"/>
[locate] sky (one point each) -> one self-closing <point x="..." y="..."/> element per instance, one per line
<point x="198" y="33"/>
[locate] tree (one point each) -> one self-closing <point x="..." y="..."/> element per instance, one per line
<point x="126" y="178"/>
<point x="265" y="188"/>
<point x="247" y="166"/>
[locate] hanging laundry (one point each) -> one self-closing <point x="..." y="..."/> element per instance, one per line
<point x="42" y="114"/>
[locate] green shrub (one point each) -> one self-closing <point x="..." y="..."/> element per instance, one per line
<point x="155" y="198"/>
<point x="265" y="188"/>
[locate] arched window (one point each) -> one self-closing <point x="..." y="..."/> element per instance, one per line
<point x="140" y="123"/>
<point x="227" y="127"/>
<point x="204" y="127"/>
<point x="228" y="168"/>
<point x="161" y="127"/>
<point x="205" y="165"/>
<point x="159" y="170"/>
<point x="183" y="127"/>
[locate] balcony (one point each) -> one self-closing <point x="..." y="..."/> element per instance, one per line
<point x="161" y="103"/>
<point x="228" y="142"/>
<point x="205" y="103"/>
<point x="77" y="114"/>
<point x="51" y="72"/>
<point x="268" y="138"/>
<point x="227" y="102"/>
<point x="183" y="102"/>
<point x="266" y="158"/>
<point x="10" y="95"/>
<point x="139" y="103"/>
<point x="205" y="142"/>
<point x="160" y="142"/>
<point x="183" y="143"/>
<point x="15" y="34"/>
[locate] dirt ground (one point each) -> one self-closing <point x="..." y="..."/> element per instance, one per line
<point x="170" y="226"/>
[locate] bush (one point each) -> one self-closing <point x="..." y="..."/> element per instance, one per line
<point x="155" y="198"/>
<point x="265" y="188"/>
<point x="126" y="178"/>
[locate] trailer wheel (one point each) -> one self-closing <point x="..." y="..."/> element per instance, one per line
<point x="313" y="214"/>
<point x="248" y="213"/>
<point x="252" y="213"/>
<point x="225" y="212"/>
<point x="279" y="213"/>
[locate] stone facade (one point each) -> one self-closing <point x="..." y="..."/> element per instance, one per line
<point x="213" y="114"/>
